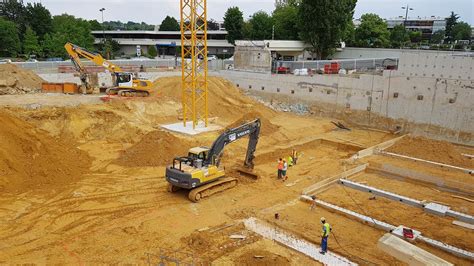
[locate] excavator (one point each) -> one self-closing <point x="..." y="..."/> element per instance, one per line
<point x="126" y="84"/>
<point x="199" y="172"/>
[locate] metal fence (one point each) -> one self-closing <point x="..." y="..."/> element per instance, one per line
<point x="52" y="67"/>
<point x="365" y="64"/>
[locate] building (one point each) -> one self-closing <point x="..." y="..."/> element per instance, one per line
<point x="427" y="26"/>
<point x="166" y="42"/>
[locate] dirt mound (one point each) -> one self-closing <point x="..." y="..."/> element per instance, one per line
<point x="261" y="257"/>
<point x="16" y="80"/>
<point x="156" y="148"/>
<point x="267" y="127"/>
<point x="225" y="100"/>
<point x="30" y="158"/>
<point x="432" y="150"/>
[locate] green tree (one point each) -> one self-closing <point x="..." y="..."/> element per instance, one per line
<point x="372" y="32"/>
<point x="30" y="43"/>
<point x="399" y="36"/>
<point x="462" y="31"/>
<point x="349" y="34"/>
<point x="323" y="24"/>
<point x="67" y="28"/>
<point x="234" y="24"/>
<point x="416" y="36"/>
<point x="39" y="19"/>
<point x="261" y="25"/>
<point x="95" y="25"/>
<point x="10" y="42"/>
<point x="438" y="37"/>
<point x="152" y="52"/>
<point x="285" y="19"/>
<point x="451" y="21"/>
<point x="169" y="24"/>
<point x="14" y="11"/>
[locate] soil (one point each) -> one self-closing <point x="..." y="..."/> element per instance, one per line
<point x="261" y="258"/>
<point x="267" y="127"/>
<point x="17" y="80"/>
<point x="30" y="158"/>
<point x="103" y="197"/>
<point x="431" y="150"/>
<point x="156" y="148"/>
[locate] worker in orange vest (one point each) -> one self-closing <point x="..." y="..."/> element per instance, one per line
<point x="280" y="168"/>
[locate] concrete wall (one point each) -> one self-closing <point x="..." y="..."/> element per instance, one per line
<point x="354" y="52"/>
<point x="252" y="58"/>
<point x="443" y="107"/>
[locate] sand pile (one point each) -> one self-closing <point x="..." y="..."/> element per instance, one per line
<point x="30" y="158"/>
<point x="225" y="100"/>
<point x="432" y="150"/>
<point x="266" y="128"/>
<point x="156" y="148"/>
<point x="16" y="80"/>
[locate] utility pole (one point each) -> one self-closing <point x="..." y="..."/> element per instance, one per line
<point x="406" y="14"/>
<point x="103" y="31"/>
<point x="273" y="32"/>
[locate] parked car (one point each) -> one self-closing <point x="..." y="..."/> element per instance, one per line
<point x="211" y="57"/>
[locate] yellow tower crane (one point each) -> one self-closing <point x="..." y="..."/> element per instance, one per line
<point x="194" y="61"/>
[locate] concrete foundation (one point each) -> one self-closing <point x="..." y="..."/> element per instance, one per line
<point x="189" y="130"/>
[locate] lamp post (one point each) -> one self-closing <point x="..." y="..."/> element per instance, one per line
<point x="103" y="28"/>
<point x="407" y="8"/>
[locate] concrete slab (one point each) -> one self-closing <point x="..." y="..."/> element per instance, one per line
<point x="407" y="252"/>
<point x="436" y="208"/>
<point x="399" y="232"/>
<point x="188" y="130"/>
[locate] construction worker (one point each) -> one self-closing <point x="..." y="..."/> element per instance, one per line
<point x="280" y="168"/>
<point x="294" y="155"/>
<point x="284" y="170"/>
<point x="324" y="236"/>
<point x="290" y="161"/>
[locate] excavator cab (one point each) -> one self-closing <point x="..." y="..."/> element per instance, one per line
<point x="124" y="80"/>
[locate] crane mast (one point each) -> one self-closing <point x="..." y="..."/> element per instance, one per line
<point x="194" y="69"/>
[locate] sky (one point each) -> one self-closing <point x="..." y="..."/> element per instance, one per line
<point x="153" y="11"/>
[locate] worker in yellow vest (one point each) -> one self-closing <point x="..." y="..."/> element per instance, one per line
<point x="324" y="236"/>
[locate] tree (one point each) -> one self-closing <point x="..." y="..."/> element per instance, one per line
<point x="39" y="19"/>
<point x="30" y="43"/>
<point x="95" y="25"/>
<point x="152" y="52"/>
<point x="14" y="11"/>
<point x="212" y="25"/>
<point x="438" y="37"/>
<point x="322" y="24"/>
<point x="234" y="23"/>
<point x="261" y="25"/>
<point x="416" y="36"/>
<point x="169" y="24"/>
<point x="451" y="21"/>
<point x="285" y="19"/>
<point x="462" y="31"/>
<point x="349" y="34"/>
<point x="10" y="42"/>
<point x="67" y="28"/>
<point x="399" y="36"/>
<point x="372" y="32"/>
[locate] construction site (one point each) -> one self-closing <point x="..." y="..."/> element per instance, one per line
<point x="134" y="172"/>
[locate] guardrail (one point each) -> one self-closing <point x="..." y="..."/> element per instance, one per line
<point x="366" y="64"/>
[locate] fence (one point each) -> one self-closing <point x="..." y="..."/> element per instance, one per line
<point x="53" y="66"/>
<point x="365" y="64"/>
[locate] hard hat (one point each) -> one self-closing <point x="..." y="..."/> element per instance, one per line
<point x="323" y="219"/>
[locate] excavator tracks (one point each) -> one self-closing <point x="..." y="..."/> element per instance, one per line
<point x="128" y="93"/>
<point x="205" y="191"/>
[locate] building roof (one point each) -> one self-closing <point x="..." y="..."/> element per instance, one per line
<point x="110" y="32"/>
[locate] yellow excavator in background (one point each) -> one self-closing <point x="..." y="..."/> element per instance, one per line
<point x="199" y="172"/>
<point x="125" y="83"/>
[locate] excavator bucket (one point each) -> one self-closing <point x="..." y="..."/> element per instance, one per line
<point x="247" y="172"/>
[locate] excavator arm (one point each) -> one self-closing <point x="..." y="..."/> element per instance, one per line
<point x="76" y="52"/>
<point x="251" y="129"/>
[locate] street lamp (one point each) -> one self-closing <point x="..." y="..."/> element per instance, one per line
<point x="103" y="28"/>
<point x="407" y="8"/>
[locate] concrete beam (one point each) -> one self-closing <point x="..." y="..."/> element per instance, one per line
<point x="300" y="245"/>
<point x="465" y="170"/>
<point x="390" y="228"/>
<point x="408" y="253"/>
<point x="433" y="208"/>
<point x="371" y="150"/>
<point x="318" y="187"/>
